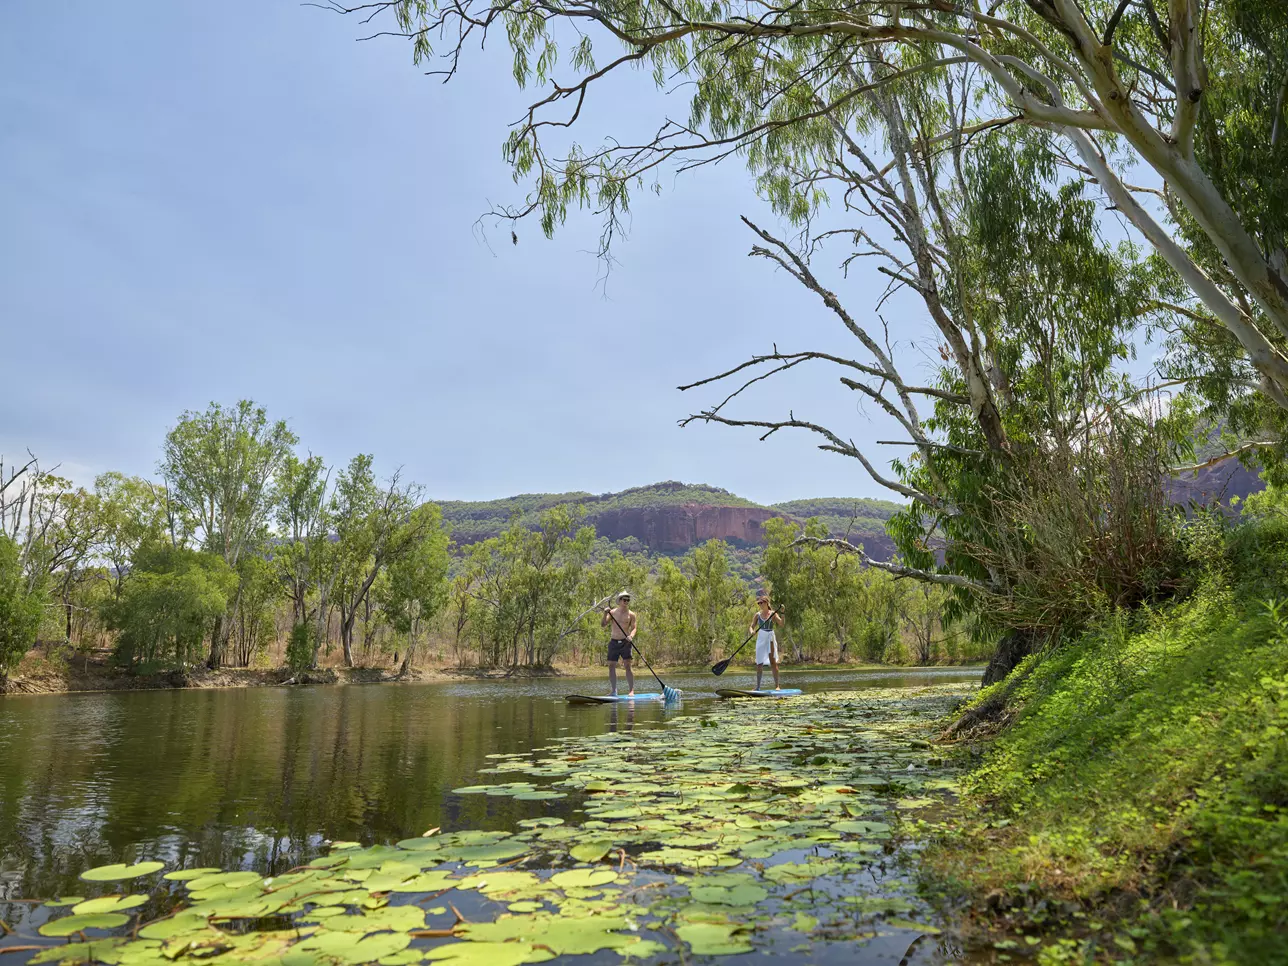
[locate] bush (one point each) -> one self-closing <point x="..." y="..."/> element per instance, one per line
<point x="21" y="608"/>
<point x="299" y="648"/>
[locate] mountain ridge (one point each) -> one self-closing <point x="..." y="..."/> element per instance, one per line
<point x="670" y="516"/>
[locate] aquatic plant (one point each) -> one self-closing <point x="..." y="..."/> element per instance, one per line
<point x="758" y="826"/>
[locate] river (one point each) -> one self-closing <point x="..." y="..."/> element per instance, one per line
<point x="263" y="778"/>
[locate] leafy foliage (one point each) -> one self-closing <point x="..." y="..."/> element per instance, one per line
<point x="169" y="607"/>
<point x="21" y="607"/>
<point x="1148" y="760"/>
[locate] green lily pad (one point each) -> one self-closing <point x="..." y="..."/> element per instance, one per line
<point x="489" y="954"/>
<point x="72" y="924"/>
<point x="590" y="851"/>
<point x="909" y="924"/>
<point x="118" y="872"/>
<point x="109" y="904"/>
<point x="183" y="875"/>
<point x="65" y="901"/>
<point x="583" y="878"/>
<point x="99" y="949"/>
<point x="740" y="895"/>
<point x="714" y="938"/>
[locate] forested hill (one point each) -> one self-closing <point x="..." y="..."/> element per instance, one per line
<point x="669" y="517"/>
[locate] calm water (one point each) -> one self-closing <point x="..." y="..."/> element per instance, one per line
<point x="261" y="777"/>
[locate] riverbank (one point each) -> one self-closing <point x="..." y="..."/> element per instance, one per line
<point x="1127" y="794"/>
<point x="37" y="675"/>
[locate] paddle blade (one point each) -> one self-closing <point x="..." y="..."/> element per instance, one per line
<point x="718" y="669"/>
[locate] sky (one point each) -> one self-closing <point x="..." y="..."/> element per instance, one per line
<point x="209" y="202"/>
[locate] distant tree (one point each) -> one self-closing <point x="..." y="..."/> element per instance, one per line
<point x="21" y="607"/>
<point x="219" y="467"/>
<point x="374" y="526"/>
<point x="175" y="601"/>
<point x="416" y="588"/>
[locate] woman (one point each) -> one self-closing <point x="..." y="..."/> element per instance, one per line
<point x="763" y="622"/>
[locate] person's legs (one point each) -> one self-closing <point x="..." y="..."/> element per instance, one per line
<point x="773" y="666"/>
<point x="612" y="677"/>
<point x="760" y="669"/>
<point x="630" y="677"/>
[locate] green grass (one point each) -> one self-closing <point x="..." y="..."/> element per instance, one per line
<point x="1138" y="797"/>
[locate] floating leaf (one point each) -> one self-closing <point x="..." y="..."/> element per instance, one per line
<point x="489" y="954"/>
<point x="714" y="938"/>
<point x="71" y="924"/>
<point x="183" y="875"/>
<point x="583" y="878"/>
<point x="109" y="904"/>
<point x="118" y="872"/>
<point x="909" y="924"/>
<point x="590" y="851"/>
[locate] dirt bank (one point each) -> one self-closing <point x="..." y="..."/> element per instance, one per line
<point x="38" y="676"/>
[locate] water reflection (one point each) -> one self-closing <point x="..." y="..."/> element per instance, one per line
<point x="260" y="778"/>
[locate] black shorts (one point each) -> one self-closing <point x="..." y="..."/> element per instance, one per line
<point x="619" y="650"/>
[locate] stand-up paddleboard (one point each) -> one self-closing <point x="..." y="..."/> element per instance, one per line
<point x="613" y="698"/>
<point x="780" y="693"/>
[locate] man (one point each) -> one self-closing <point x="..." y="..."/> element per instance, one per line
<point x="622" y="623"/>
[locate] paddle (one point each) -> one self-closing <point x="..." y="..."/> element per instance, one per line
<point x="668" y="693"/>
<point x="721" y="666"/>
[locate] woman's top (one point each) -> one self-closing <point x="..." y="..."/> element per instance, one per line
<point x="765" y="623"/>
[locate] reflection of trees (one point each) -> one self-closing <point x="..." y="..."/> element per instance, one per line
<point x="247" y="778"/>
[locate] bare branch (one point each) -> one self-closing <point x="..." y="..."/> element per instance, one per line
<point x="1233" y="454"/>
<point x="898" y="569"/>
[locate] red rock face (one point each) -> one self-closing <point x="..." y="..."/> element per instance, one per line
<point x="674" y="529"/>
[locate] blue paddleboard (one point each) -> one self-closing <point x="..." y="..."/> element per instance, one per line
<point x="780" y="693"/>
<point x="613" y="698"/>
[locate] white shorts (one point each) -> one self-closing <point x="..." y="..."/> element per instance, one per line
<point x="766" y="643"/>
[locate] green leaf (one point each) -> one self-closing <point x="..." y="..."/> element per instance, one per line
<point x="70" y="924"/>
<point x="118" y="872"/>
<point x="109" y="904"/>
<point x="590" y="851"/>
<point x="714" y="938"/>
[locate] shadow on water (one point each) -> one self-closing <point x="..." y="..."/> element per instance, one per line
<point x="263" y="778"/>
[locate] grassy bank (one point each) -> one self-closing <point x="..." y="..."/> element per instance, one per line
<point x="1133" y="805"/>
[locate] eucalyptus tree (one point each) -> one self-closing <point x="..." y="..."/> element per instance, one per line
<point x="302" y="529"/>
<point x="524" y="585"/>
<point x="132" y="511"/>
<point x="1193" y="94"/>
<point x="373" y="526"/>
<point x="416" y="589"/>
<point x="219" y="467"/>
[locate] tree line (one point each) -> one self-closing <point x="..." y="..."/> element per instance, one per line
<point x="247" y="552"/>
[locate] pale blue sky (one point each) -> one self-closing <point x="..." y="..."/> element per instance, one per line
<point x="215" y="201"/>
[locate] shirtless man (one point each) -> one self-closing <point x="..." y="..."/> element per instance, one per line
<point x="622" y="623"/>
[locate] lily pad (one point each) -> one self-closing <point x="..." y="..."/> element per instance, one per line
<point x="109" y="904"/>
<point x="119" y="872"/>
<point x="184" y="875"/>
<point x="714" y="938"/>
<point x="590" y="851"/>
<point x="583" y="878"/>
<point x="73" y="924"/>
<point x="489" y="954"/>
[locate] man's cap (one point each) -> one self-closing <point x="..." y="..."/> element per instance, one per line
<point x="624" y="594"/>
